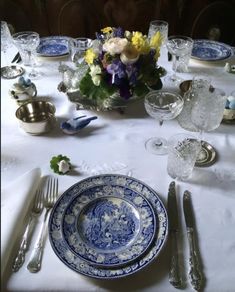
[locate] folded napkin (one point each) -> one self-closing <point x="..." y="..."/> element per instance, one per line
<point x="16" y="200"/>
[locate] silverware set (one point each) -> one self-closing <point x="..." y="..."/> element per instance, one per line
<point x="175" y="273"/>
<point x="41" y="202"/>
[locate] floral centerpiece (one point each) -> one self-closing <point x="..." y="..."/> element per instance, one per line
<point x="121" y="66"/>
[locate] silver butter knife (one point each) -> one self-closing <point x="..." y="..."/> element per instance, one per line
<point x="195" y="274"/>
<point x="174" y="273"/>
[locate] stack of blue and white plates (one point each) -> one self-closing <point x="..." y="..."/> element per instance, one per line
<point x="108" y="226"/>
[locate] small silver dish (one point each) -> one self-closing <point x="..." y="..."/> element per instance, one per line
<point x="207" y="155"/>
<point x="11" y="72"/>
<point x="185" y="86"/>
<point x="36" y="117"/>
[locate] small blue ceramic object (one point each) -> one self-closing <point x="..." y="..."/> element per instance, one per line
<point x="23" y="90"/>
<point x="72" y="126"/>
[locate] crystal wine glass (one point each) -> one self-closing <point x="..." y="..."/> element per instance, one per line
<point x="162" y="27"/>
<point x="207" y="110"/>
<point x="161" y="105"/>
<point x="78" y="48"/>
<point x="5" y="39"/>
<point x="27" y="43"/>
<point x="181" y="48"/>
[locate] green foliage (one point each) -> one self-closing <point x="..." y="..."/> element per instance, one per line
<point x="54" y="163"/>
<point x="91" y="91"/>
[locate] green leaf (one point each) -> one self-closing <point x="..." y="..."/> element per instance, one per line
<point x="55" y="160"/>
<point x="141" y="89"/>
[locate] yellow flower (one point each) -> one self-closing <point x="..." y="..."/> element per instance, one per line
<point x="107" y="29"/>
<point x="156" y="40"/>
<point x="140" y="42"/>
<point x="90" y="55"/>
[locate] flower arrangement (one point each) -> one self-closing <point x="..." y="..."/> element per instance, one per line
<point x="121" y="62"/>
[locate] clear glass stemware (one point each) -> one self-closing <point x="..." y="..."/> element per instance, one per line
<point x="161" y="105"/>
<point x="6" y="39"/>
<point x="180" y="47"/>
<point x="162" y="27"/>
<point x="27" y="43"/>
<point x="207" y="110"/>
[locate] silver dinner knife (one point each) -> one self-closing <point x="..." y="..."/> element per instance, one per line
<point x="174" y="273"/>
<point x="195" y="274"/>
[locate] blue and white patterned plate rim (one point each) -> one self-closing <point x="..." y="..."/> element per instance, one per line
<point x="79" y="265"/>
<point x="61" y="41"/>
<point x="209" y="50"/>
<point x="125" y="252"/>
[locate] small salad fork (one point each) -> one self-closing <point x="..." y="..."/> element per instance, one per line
<point x="36" y="211"/>
<point x="34" y="264"/>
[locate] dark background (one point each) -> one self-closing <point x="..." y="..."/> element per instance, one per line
<point x="196" y="18"/>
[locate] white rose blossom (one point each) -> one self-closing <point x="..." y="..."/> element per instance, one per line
<point x="63" y="166"/>
<point x="96" y="80"/>
<point x="95" y="72"/>
<point x="115" y="45"/>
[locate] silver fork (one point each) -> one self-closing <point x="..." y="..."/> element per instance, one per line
<point x="36" y="211"/>
<point x="34" y="264"/>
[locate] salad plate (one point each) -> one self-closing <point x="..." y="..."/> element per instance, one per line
<point x="105" y="194"/>
<point x="53" y="46"/>
<point x="111" y="227"/>
<point x="207" y="50"/>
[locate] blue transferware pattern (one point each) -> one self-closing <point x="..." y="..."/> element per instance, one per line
<point x="76" y="263"/>
<point x="53" y="46"/>
<point x="207" y="50"/>
<point x="114" y="225"/>
<point x="72" y="126"/>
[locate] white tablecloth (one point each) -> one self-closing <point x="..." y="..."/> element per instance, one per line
<point x="114" y="143"/>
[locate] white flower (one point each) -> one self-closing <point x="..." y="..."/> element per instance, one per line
<point x="115" y="45"/>
<point x="96" y="80"/>
<point x="63" y="166"/>
<point x="95" y="72"/>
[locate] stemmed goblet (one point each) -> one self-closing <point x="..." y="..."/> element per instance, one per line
<point x="78" y="49"/>
<point x="5" y="39"/>
<point x="162" y="27"/>
<point x="161" y="105"/>
<point x="180" y="47"/>
<point x="27" y="43"/>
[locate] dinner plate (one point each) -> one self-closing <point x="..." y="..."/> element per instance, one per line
<point x="207" y="50"/>
<point x="112" y="226"/>
<point x="53" y="46"/>
<point x="111" y="183"/>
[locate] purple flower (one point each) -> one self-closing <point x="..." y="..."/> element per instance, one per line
<point x="124" y="90"/>
<point x="116" y="69"/>
<point x="132" y="73"/>
<point x="118" y="32"/>
<point x="99" y="36"/>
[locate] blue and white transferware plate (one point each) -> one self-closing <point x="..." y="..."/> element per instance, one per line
<point x="53" y="46"/>
<point x="83" y="192"/>
<point x="109" y="225"/>
<point x="207" y="50"/>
